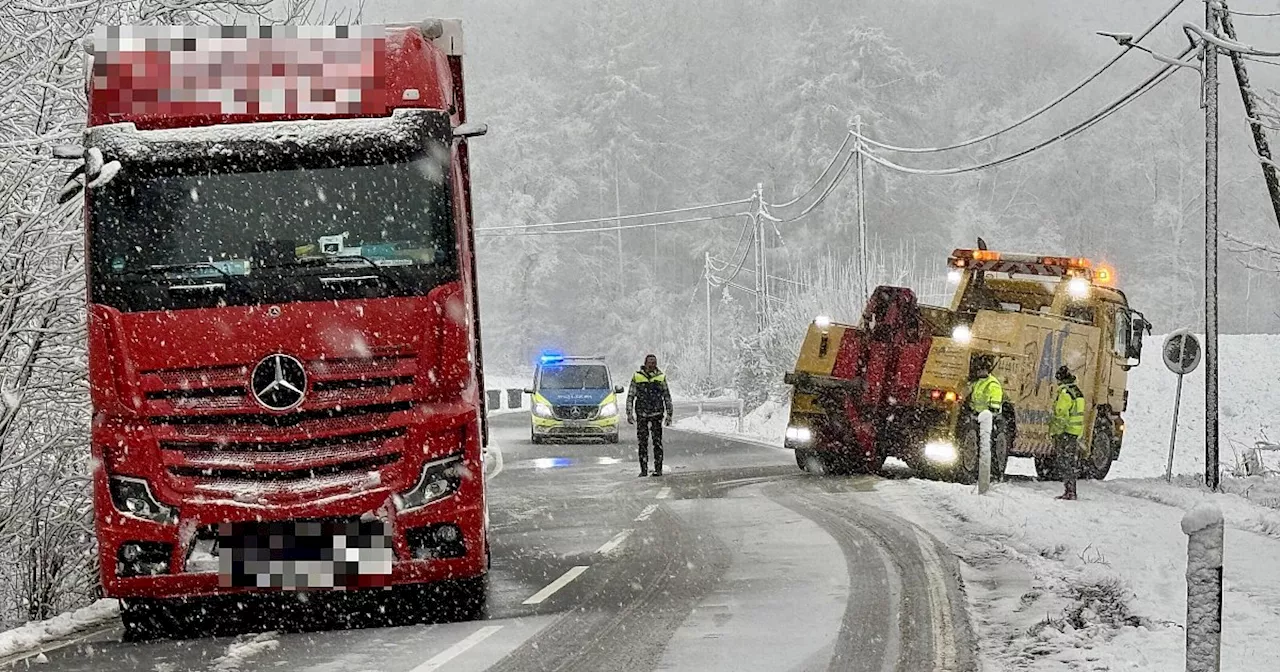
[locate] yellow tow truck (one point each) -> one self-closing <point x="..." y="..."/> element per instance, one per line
<point x="895" y="384"/>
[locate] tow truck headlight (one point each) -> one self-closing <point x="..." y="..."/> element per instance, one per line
<point x="822" y="321"/>
<point x="1078" y="288"/>
<point x="609" y="410"/>
<point x="954" y="276"/>
<point x="962" y="334"/>
<point x="940" y="452"/>
<point x="133" y="496"/>
<point x="439" y="479"/>
<point x="542" y="410"/>
<point x="799" y="435"/>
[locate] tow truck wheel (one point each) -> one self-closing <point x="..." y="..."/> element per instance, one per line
<point x="1101" y="452"/>
<point x="1046" y="470"/>
<point x="966" y="470"/>
<point x="802" y="459"/>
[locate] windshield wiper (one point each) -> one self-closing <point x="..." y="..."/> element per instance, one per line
<point x="381" y="273"/>
<point x="160" y="269"/>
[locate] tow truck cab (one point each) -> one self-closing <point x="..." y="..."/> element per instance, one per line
<point x="573" y="397"/>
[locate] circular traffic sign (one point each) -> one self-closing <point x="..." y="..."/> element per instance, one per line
<point x="1181" y="352"/>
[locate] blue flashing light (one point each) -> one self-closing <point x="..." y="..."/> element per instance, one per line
<point x="551" y="358"/>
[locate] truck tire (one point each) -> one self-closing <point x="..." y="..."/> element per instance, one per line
<point x="1046" y="468"/>
<point x="966" y="469"/>
<point x="1101" y="450"/>
<point x="802" y="458"/>
<point x="145" y="620"/>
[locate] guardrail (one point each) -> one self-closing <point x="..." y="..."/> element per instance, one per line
<point x="733" y="407"/>
<point x="510" y="399"/>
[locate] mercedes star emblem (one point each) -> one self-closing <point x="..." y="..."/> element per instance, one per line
<point x="279" y="382"/>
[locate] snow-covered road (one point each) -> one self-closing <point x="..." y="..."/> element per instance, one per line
<point x="735" y="560"/>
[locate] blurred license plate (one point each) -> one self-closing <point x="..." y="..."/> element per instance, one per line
<point x="302" y="555"/>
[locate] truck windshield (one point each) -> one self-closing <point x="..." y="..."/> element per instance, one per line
<point x="575" y="377"/>
<point x="193" y="235"/>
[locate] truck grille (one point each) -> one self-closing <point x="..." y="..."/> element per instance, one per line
<point x="333" y="382"/>
<point x="575" y="412"/>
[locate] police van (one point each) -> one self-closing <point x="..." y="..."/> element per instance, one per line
<point x="573" y="397"/>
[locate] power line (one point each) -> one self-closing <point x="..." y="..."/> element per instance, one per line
<point x="601" y="220"/>
<point x="1130" y="96"/>
<point x="834" y="159"/>
<point x="1240" y="13"/>
<point x="1044" y="108"/>
<point x="1226" y="45"/>
<point x="844" y="169"/>
<point x="491" y="233"/>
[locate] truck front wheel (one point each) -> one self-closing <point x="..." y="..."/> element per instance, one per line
<point x="156" y="619"/>
<point x="1101" y="450"/>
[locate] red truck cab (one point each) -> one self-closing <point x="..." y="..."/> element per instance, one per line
<point x="283" y="327"/>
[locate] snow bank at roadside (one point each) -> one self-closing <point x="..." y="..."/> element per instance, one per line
<point x="1249" y="371"/>
<point x="766" y="424"/>
<point x="32" y="636"/>
<point x="1098" y="584"/>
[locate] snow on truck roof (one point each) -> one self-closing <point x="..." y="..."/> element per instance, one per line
<point x="169" y="76"/>
<point x="405" y="128"/>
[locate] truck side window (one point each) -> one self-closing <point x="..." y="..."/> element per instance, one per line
<point x="1122" y="332"/>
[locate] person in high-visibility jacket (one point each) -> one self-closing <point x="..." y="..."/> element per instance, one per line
<point x="650" y="398"/>
<point x="985" y="392"/>
<point x="1065" y="429"/>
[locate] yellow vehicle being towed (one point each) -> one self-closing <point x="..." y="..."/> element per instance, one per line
<point x="895" y="384"/>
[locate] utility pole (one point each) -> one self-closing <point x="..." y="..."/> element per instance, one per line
<point x="1211" y="248"/>
<point x="706" y="274"/>
<point x="762" y="299"/>
<point x="1251" y="113"/>
<point x="617" y="211"/>
<point x="860" y="199"/>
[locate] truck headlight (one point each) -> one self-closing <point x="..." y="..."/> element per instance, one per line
<point x="439" y="479"/>
<point x="133" y="496"/>
<point x="940" y="452"/>
<point x="542" y="410"/>
<point x="962" y="334"/>
<point x="799" y="435"/>
<point x="609" y="410"/>
<point x="1078" y="288"/>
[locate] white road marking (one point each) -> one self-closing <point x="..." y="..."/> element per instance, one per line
<point x="648" y="511"/>
<point x="944" y="637"/>
<point x="613" y="543"/>
<point x="664" y="493"/>
<point x="437" y="661"/>
<point x="564" y="580"/>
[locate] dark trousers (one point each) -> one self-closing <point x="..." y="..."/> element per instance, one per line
<point x="646" y="426"/>
<point x="1066" y="454"/>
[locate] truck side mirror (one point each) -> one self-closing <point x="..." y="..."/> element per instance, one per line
<point x="1138" y="328"/>
<point x="470" y="130"/>
<point x="528" y="390"/>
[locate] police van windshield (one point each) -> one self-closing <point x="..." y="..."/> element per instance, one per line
<point x="575" y="377"/>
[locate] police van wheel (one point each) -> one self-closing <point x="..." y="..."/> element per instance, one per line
<point x="612" y="438"/>
<point x="1101" y="450"/>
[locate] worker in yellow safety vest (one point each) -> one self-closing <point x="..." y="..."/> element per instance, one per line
<point x="985" y="392"/>
<point x="1065" y="429"/>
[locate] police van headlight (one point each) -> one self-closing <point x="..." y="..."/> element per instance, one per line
<point x="542" y="410"/>
<point x="609" y="410"/>
<point x="799" y="435"/>
<point x="940" y="452"/>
